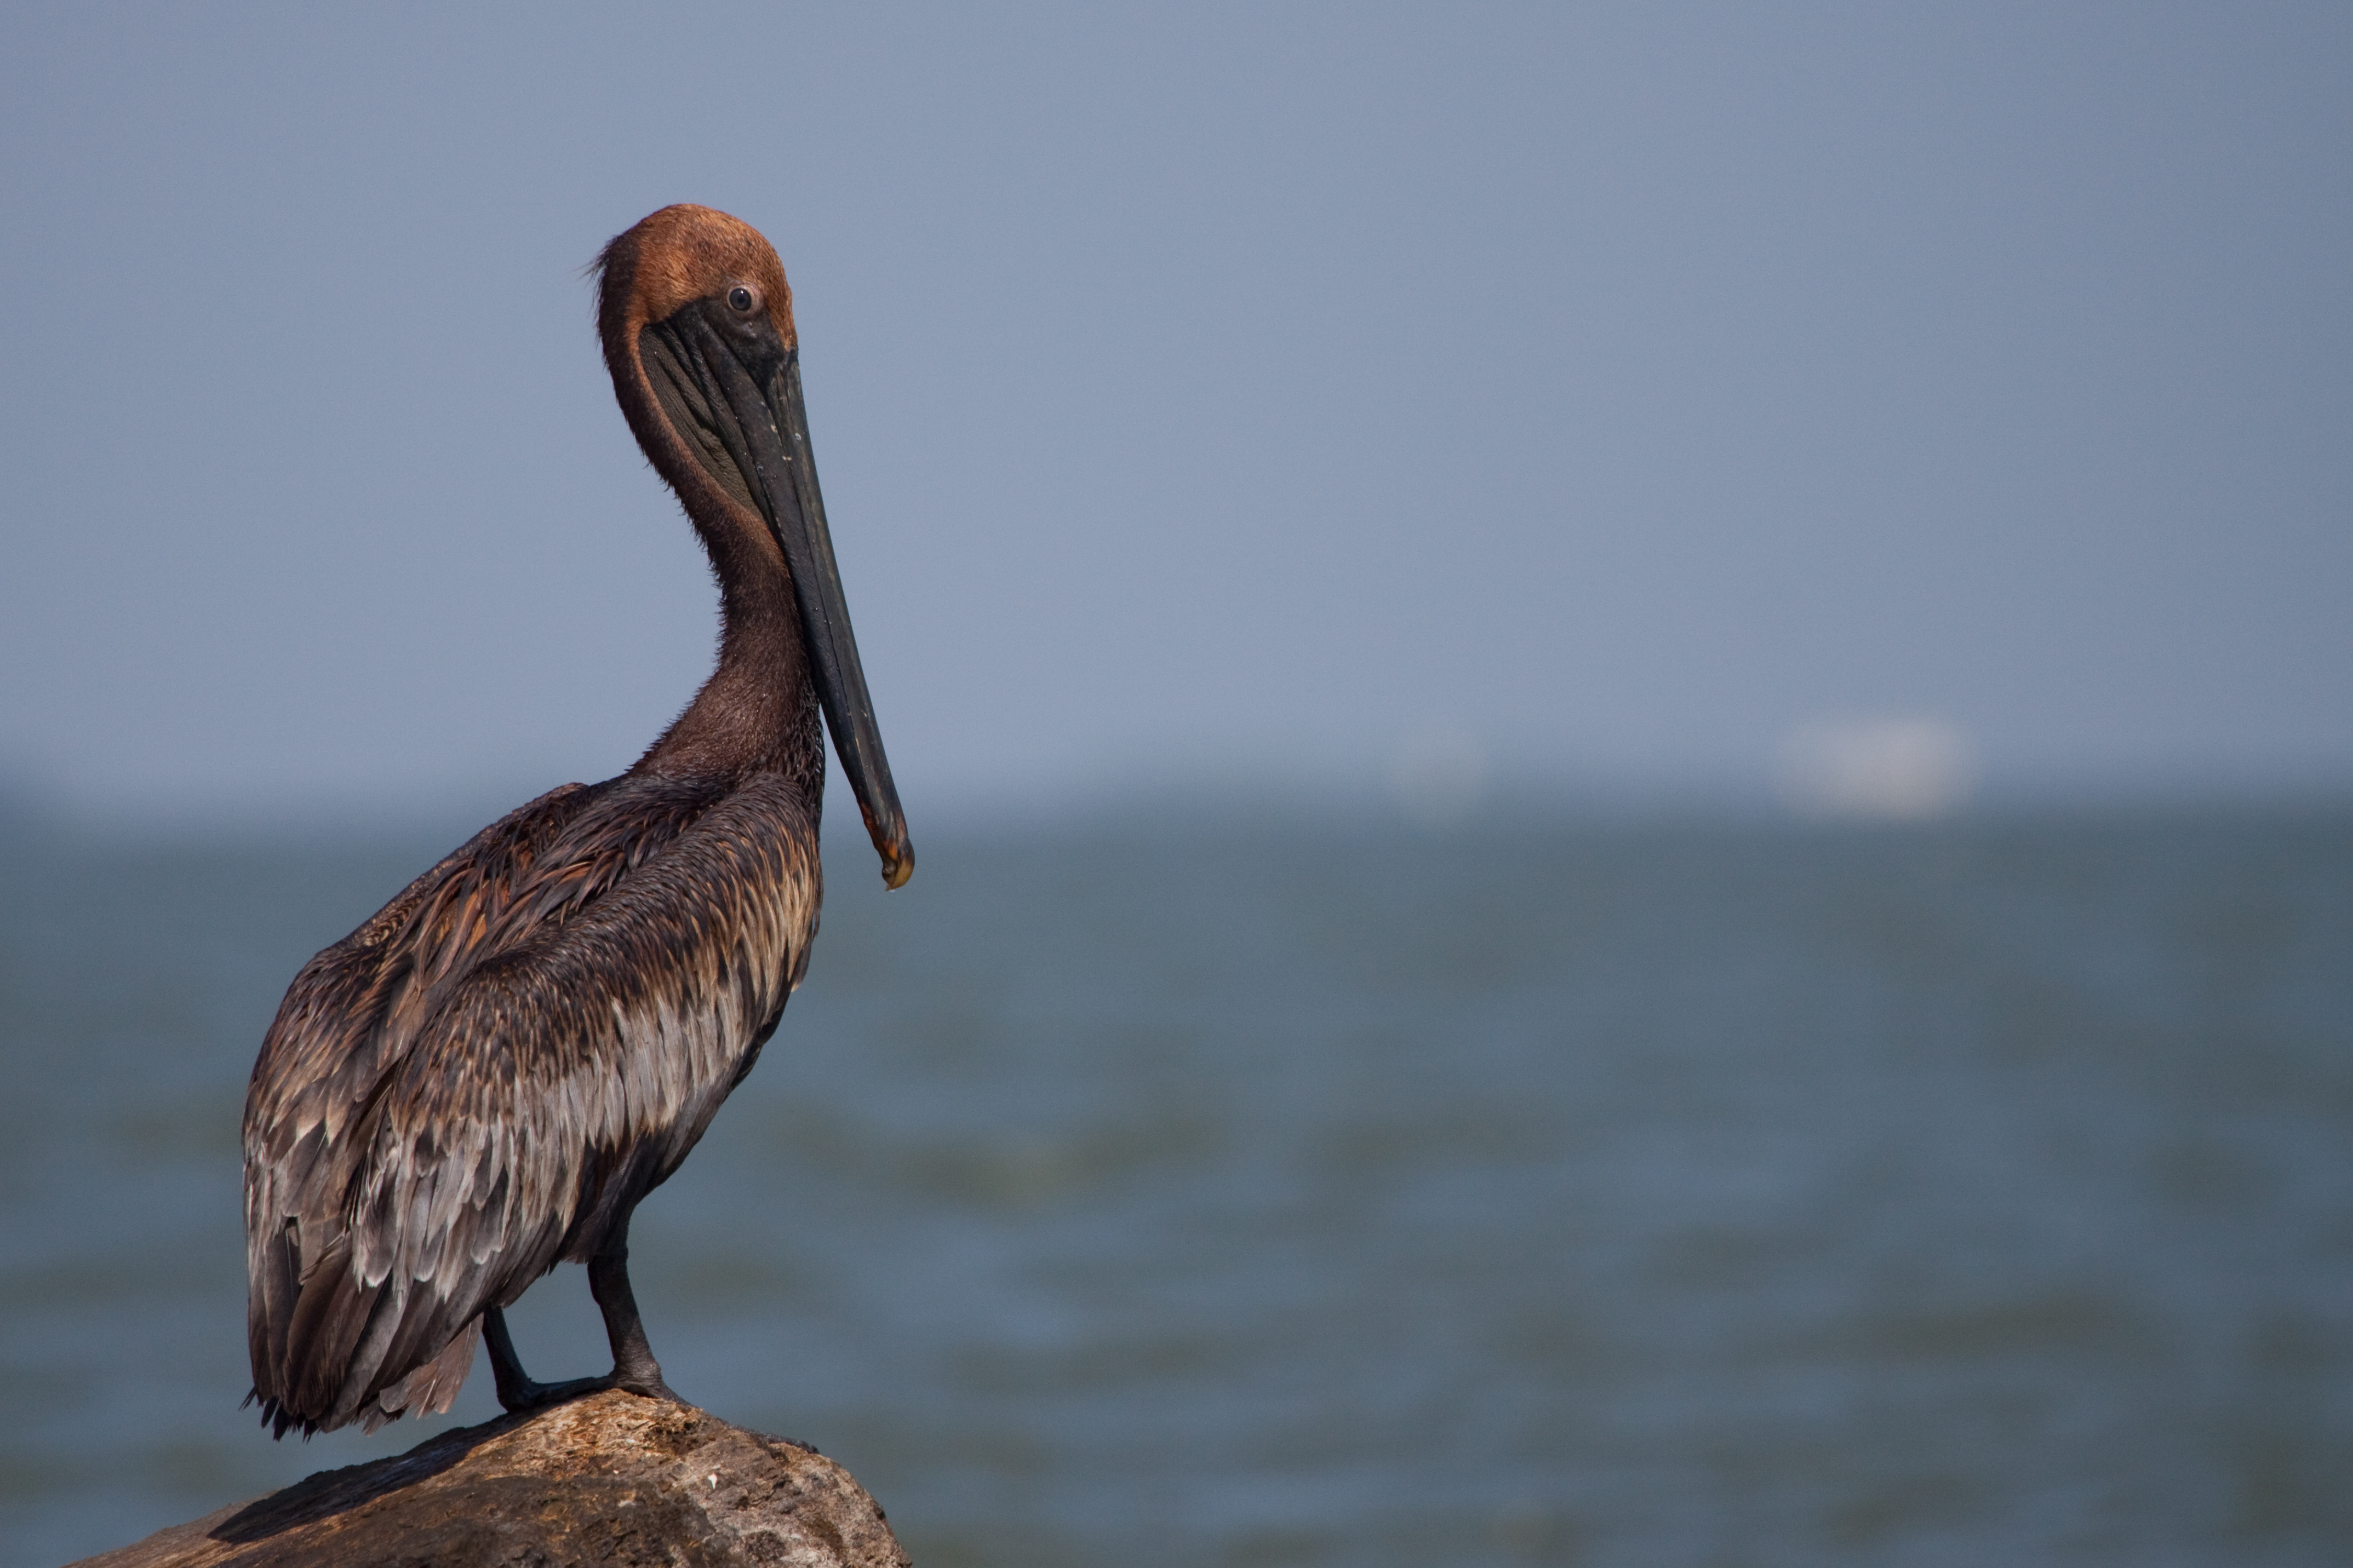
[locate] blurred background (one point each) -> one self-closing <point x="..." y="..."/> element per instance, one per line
<point x="1630" y="732"/>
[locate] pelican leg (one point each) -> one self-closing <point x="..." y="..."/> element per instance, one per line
<point x="516" y="1390"/>
<point x="634" y="1367"/>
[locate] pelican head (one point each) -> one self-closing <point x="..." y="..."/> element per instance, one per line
<point x="697" y="324"/>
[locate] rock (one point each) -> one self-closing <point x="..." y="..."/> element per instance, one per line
<point x="612" y="1478"/>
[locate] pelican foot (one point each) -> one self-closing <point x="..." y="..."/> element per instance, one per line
<point x="653" y="1387"/>
<point x="518" y="1391"/>
<point x="516" y="1398"/>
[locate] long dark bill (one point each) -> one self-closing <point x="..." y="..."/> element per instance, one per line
<point x="772" y="424"/>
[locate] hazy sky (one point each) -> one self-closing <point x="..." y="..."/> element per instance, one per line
<point x="1233" y="393"/>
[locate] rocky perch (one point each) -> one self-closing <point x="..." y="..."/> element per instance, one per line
<point x="612" y="1478"/>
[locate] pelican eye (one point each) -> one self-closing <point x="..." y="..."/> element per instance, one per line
<point x="740" y="300"/>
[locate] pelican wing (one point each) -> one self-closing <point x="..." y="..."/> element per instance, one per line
<point x="479" y="1081"/>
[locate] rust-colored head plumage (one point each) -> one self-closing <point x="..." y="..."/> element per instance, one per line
<point x="682" y="254"/>
<point x="659" y="268"/>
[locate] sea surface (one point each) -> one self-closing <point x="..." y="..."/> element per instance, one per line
<point x="1218" y="1187"/>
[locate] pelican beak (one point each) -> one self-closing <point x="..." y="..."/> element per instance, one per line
<point x="770" y="444"/>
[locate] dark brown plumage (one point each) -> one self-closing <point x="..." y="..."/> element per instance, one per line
<point x="484" y="1080"/>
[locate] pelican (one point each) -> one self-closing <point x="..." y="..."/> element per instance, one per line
<point x="483" y="1080"/>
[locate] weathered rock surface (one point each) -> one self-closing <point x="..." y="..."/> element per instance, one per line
<point x="612" y="1479"/>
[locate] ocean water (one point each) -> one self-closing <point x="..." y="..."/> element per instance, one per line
<point x="1227" y="1188"/>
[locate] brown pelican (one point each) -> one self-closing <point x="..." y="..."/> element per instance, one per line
<point x="484" y="1080"/>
